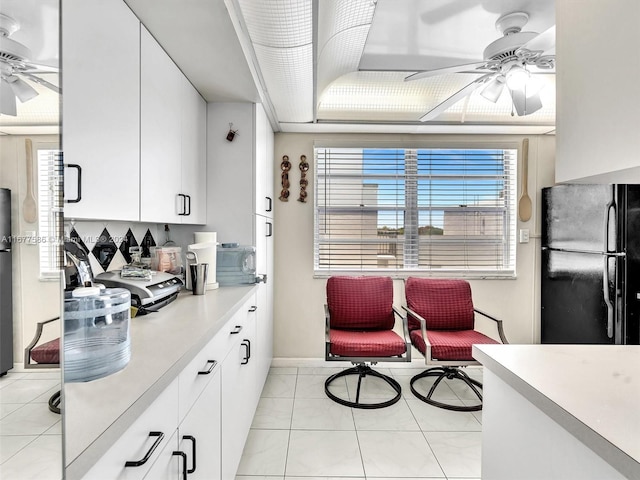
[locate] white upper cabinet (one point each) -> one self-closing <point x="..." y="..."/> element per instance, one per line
<point x="172" y="139"/>
<point x="194" y="154"/>
<point x="597" y="102"/>
<point x="160" y="133"/>
<point x="263" y="163"/>
<point x="101" y="114"/>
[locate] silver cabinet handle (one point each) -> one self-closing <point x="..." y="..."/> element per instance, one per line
<point x="236" y="330"/>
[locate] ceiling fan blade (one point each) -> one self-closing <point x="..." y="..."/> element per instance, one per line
<point x="494" y="88"/>
<point x="525" y="105"/>
<point x="21" y="89"/>
<point x="453" y="99"/>
<point x="7" y="99"/>
<point x="445" y="70"/>
<point x="544" y="43"/>
<point x="42" y="82"/>
<point x="40" y="68"/>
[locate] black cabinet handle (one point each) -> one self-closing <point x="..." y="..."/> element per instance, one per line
<point x="188" y="211"/>
<point x="147" y="456"/>
<point x="184" y="204"/>
<point x="247" y="344"/>
<point x="193" y="451"/>
<point x="236" y="330"/>
<point x="79" y="196"/>
<point x="184" y="463"/>
<point x="270" y="229"/>
<point x="212" y="364"/>
<point x="253" y="308"/>
<point x="270" y="207"/>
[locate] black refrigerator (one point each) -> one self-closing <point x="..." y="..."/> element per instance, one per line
<point x="6" y="305"/>
<point x="590" y="264"/>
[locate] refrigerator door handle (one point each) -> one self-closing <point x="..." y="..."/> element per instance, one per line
<point x="607" y="220"/>
<point x="607" y="297"/>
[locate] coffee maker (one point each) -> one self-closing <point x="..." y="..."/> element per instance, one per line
<point x="77" y="269"/>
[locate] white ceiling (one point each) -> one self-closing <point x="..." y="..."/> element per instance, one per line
<point x="350" y="78"/>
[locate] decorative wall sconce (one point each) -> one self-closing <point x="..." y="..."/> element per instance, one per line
<point x="304" y="167"/>
<point x="232" y="133"/>
<point x="285" y="166"/>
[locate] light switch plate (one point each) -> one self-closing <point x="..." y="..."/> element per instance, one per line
<point x="524" y="235"/>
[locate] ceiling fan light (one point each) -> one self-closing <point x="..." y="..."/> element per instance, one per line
<point x="494" y="89"/>
<point x="21" y="89"/>
<point x="7" y="99"/>
<point x="517" y="77"/>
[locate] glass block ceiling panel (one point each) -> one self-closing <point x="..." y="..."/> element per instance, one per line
<point x="385" y="96"/>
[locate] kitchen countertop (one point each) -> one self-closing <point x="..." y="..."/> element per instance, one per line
<point x="163" y="343"/>
<point x="593" y="391"/>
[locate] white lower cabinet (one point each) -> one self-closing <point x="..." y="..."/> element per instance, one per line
<point x="197" y="427"/>
<point x="131" y="457"/>
<point x="239" y="377"/>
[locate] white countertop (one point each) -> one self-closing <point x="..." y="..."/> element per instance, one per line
<point x="593" y="391"/>
<point x="162" y="345"/>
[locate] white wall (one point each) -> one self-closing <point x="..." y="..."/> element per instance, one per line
<point x="299" y="298"/>
<point x="33" y="300"/>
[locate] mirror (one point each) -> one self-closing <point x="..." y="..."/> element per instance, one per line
<point x="30" y="430"/>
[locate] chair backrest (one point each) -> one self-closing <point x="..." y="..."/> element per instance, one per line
<point x="445" y="304"/>
<point x="360" y="303"/>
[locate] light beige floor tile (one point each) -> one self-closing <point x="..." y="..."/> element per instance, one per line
<point x="31" y="419"/>
<point x="40" y="460"/>
<point x="26" y="390"/>
<point x="459" y="453"/>
<point x="265" y="453"/>
<point x="12" y="444"/>
<point x="273" y="413"/>
<point x="323" y="453"/>
<point x="435" y="419"/>
<point x="397" y="454"/>
<point x="321" y="414"/>
<point x="312" y="386"/>
<point x="395" y="417"/>
<point x="279" y="386"/>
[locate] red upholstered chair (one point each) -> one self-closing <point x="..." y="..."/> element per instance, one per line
<point x="45" y="355"/>
<point x="360" y="317"/>
<point x="441" y="320"/>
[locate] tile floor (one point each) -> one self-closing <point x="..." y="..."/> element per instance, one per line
<point x="30" y="435"/>
<point x="298" y="433"/>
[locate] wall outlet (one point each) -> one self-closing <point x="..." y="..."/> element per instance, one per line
<point x="524" y="235"/>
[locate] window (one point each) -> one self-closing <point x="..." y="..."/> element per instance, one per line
<point x="404" y="211"/>
<point x="50" y="212"/>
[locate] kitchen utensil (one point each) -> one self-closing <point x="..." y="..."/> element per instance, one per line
<point x="524" y="204"/>
<point x="29" y="209"/>
<point x="199" y="273"/>
<point x="205" y="252"/>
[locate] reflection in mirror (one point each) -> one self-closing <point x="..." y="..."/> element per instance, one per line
<point x="30" y="282"/>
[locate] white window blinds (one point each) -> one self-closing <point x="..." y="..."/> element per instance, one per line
<point x="50" y="212"/>
<point x="415" y="210"/>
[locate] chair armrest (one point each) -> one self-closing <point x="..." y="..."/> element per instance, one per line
<point x="423" y="326"/>
<point x="35" y="340"/>
<point x="405" y="331"/>
<point x="503" y="338"/>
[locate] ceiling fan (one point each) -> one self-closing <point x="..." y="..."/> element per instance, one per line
<point x="507" y="63"/>
<point x="15" y="67"/>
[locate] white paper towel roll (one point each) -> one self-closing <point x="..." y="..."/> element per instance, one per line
<point x="206" y="237"/>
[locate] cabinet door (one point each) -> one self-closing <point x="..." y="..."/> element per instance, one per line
<point x="263" y="163"/>
<point x="101" y="114"/>
<point x="264" y="264"/>
<point x="200" y="434"/>
<point x="238" y="399"/>
<point x="146" y="438"/>
<point x="160" y="132"/>
<point x="194" y="154"/>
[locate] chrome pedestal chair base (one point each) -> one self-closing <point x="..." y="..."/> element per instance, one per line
<point x="362" y="371"/>
<point x="450" y="373"/>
